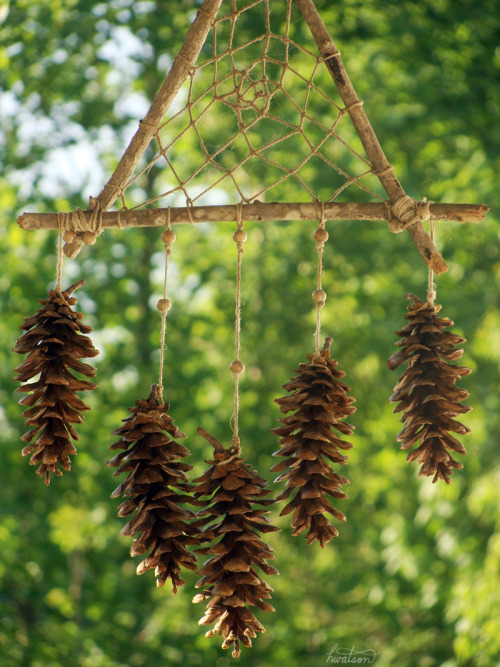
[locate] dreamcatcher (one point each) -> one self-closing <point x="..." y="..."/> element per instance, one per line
<point x="255" y="105"/>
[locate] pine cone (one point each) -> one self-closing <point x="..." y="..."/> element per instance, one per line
<point x="426" y="391"/>
<point x="230" y="573"/>
<point x="55" y="343"/>
<point x="155" y="488"/>
<point x="320" y="401"/>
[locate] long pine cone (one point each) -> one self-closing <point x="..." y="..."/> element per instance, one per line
<point x="231" y="522"/>
<point x="54" y="344"/>
<point x="155" y="488"/>
<point x="426" y="393"/>
<point x="319" y="403"/>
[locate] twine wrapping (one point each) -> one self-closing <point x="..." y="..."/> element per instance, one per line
<point x="407" y="211"/>
<point x="80" y="230"/>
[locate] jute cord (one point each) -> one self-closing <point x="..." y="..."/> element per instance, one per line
<point x="257" y="96"/>
<point x="86" y="228"/>
<point x="164" y="309"/>
<point x="146" y="123"/>
<point x="407" y="211"/>
<point x="189" y="206"/>
<point x="383" y="171"/>
<point x="320" y="244"/>
<point x="431" y="287"/>
<point x="336" y="54"/>
<point x="60" y="255"/>
<point x="359" y="103"/>
<point x="230" y="458"/>
<point x="237" y="329"/>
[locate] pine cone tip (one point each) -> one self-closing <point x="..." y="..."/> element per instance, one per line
<point x="155" y="394"/>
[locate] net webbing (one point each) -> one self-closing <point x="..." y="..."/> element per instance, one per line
<point x="255" y="121"/>
<point x="246" y="117"/>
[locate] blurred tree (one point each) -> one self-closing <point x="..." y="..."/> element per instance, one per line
<point x="413" y="575"/>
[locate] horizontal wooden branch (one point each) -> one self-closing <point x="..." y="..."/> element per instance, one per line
<point x="257" y="212"/>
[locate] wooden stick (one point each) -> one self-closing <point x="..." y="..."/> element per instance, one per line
<point x="74" y="286"/>
<point x="380" y="164"/>
<point x="195" y="38"/>
<point x="213" y="441"/>
<point x="257" y="212"/>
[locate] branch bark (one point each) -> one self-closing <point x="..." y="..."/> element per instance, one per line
<point x="257" y="212"/>
<point x="381" y="166"/>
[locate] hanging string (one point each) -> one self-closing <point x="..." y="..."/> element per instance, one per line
<point x="431" y="287"/>
<point x="168" y="237"/>
<point x="319" y="295"/>
<point x="237" y="367"/>
<point x="60" y="254"/>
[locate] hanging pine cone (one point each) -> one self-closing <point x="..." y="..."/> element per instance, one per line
<point x="155" y="488"/>
<point x="319" y="401"/>
<point x="230" y="573"/>
<point x="427" y="395"/>
<point x="54" y="343"/>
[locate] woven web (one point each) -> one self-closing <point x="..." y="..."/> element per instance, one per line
<point x="256" y="120"/>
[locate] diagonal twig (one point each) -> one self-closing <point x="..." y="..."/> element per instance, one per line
<point x="195" y="38"/>
<point x="381" y="166"/>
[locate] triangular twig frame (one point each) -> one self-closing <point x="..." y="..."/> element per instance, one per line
<point x="401" y="211"/>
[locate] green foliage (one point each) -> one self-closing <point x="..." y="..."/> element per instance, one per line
<point x="414" y="573"/>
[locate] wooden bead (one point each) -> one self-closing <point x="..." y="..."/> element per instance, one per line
<point x="237" y="367"/>
<point x="69" y="236"/>
<point x="168" y="237"/>
<point x="321" y="235"/>
<point x="164" y="305"/>
<point x="319" y="296"/>
<point x="240" y="236"/>
<point x="89" y="238"/>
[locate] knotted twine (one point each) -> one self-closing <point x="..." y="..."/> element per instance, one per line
<point x="407" y="211"/>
